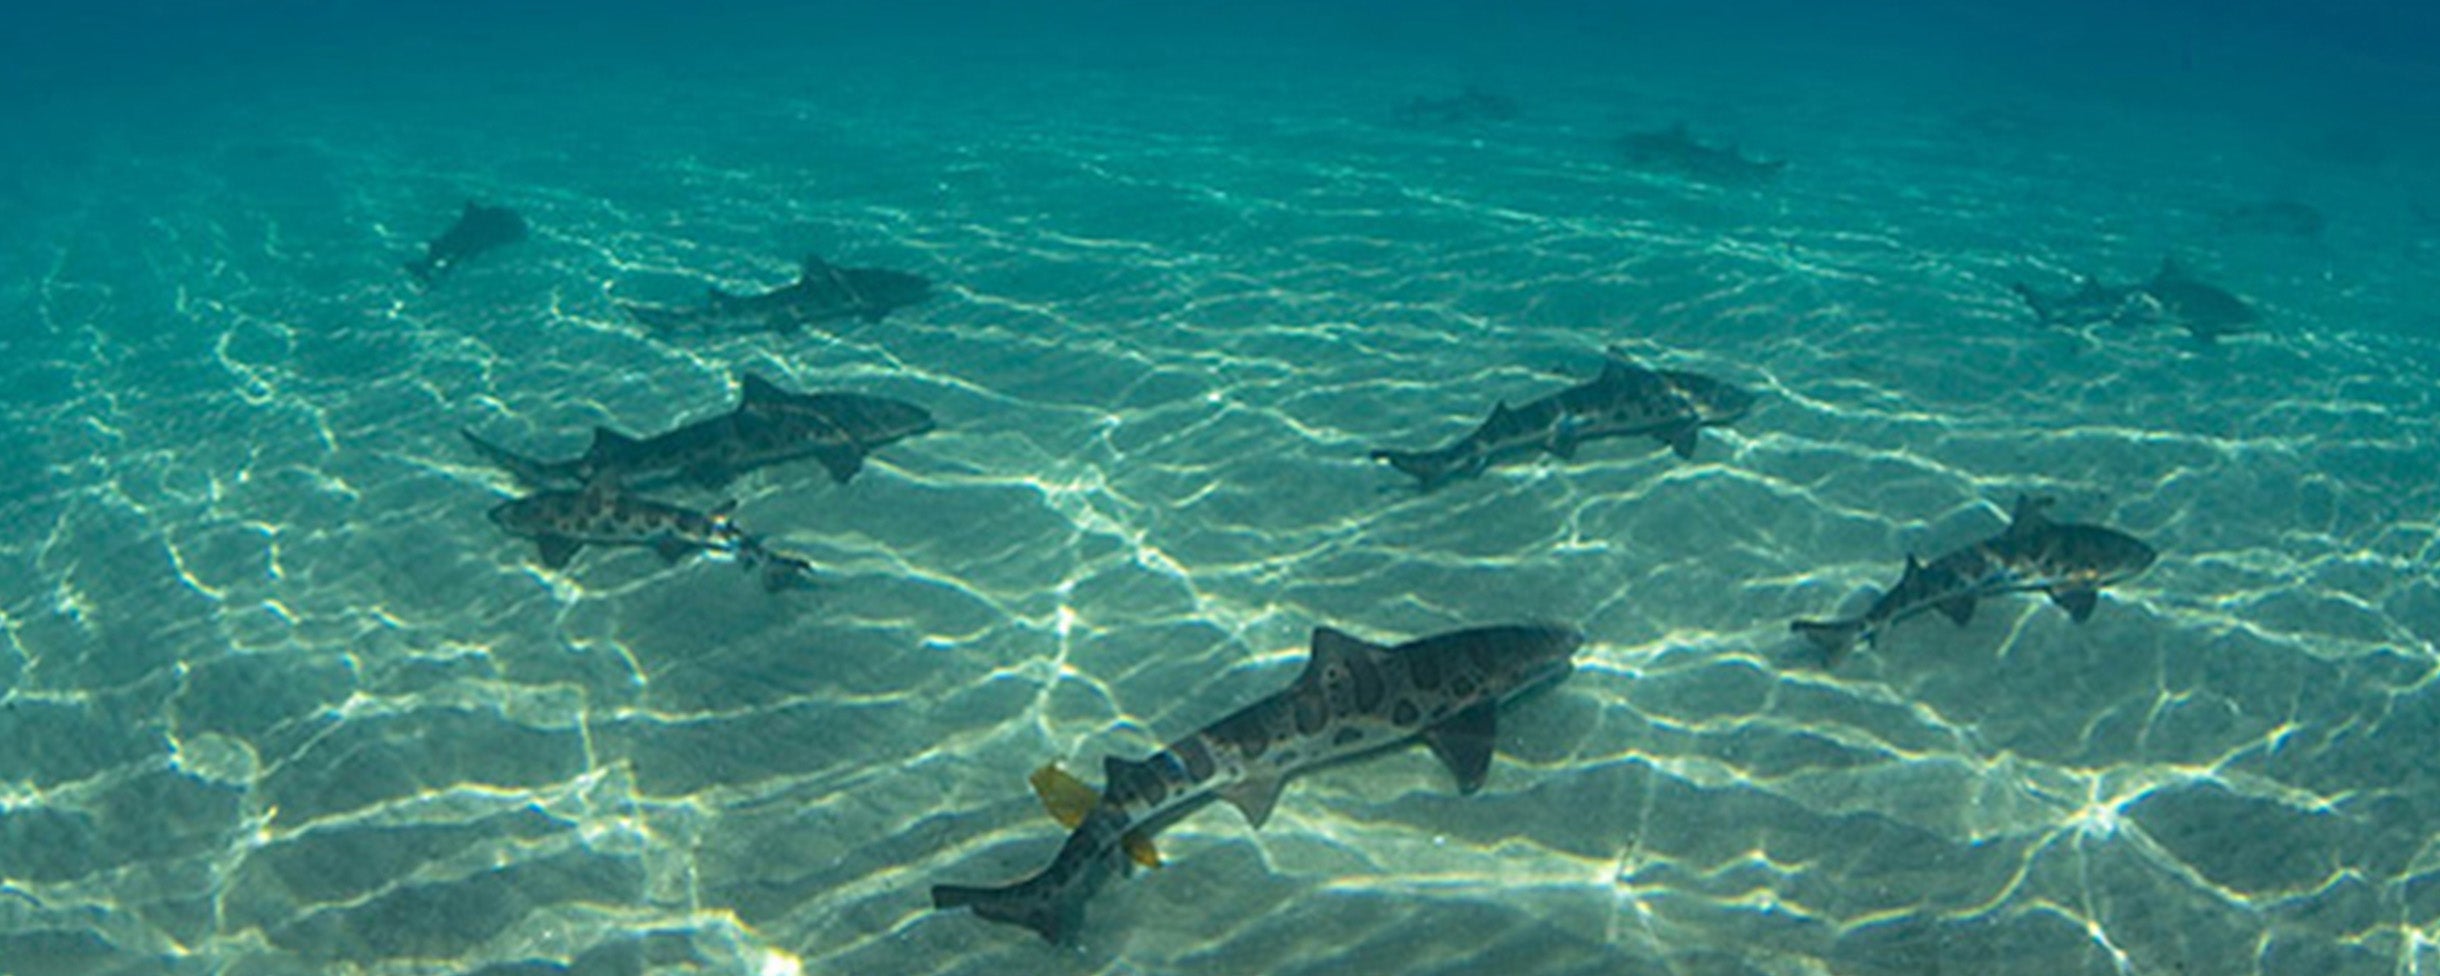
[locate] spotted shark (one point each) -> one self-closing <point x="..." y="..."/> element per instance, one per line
<point x="1626" y="400"/>
<point x="1674" y="151"/>
<point x="822" y="293"/>
<point x="1352" y="698"/>
<point x="769" y="426"/>
<point x="478" y="229"/>
<point x="2071" y="562"/>
<point x="601" y="514"/>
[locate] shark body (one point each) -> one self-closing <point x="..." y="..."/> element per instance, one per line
<point x="1673" y="151"/>
<point x="478" y="229"/>
<point x="1352" y="698"/>
<point x="2071" y="562"/>
<point x="1626" y="400"/>
<point x="769" y="426"/>
<point x="822" y="293"/>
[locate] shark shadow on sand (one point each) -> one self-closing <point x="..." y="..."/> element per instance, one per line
<point x="1674" y="152"/>
<point x="822" y="293"/>
<point x="478" y="229"/>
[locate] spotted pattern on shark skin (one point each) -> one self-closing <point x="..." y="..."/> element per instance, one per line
<point x="1625" y="400"/>
<point x="769" y="426"/>
<point x="2069" y="561"/>
<point x="1347" y="686"/>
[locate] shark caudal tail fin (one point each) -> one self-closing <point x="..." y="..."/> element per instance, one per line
<point x="1430" y="469"/>
<point x="1834" y="638"/>
<point x="423" y="268"/>
<point x="1030" y="903"/>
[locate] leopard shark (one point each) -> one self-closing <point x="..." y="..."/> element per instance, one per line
<point x="1353" y="698"/>
<point x="822" y="293"/>
<point x="769" y="426"/>
<point x="601" y="514"/>
<point x="2071" y="562"/>
<point x="478" y="229"/>
<point x="1626" y="400"/>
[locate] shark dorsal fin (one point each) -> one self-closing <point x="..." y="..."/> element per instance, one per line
<point x="752" y="389"/>
<point x="1914" y="568"/>
<point x="1333" y="645"/>
<point x="812" y="268"/>
<point x="2028" y="514"/>
<point x="1616" y="369"/>
<point x="606" y="440"/>
<point x="470" y="210"/>
<point x="1463" y="743"/>
<point x="2172" y="269"/>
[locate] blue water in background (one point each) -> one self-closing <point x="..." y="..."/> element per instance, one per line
<point x="276" y="698"/>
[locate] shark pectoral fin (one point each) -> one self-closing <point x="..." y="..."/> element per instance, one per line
<point x="1959" y="609"/>
<point x="1681" y="438"/>
<point x="1140" y="850"/>
<point x="2078" y="602"/>
<point x="1066" y="798"/>
<point x="672" y="550"/>
<point x="1463" y="743"/>
<point x="841" y="462"/>
<point x="557" y="550"/>
<point x="1254" y="797"/>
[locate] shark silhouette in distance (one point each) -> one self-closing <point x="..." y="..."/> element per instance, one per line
<point x="1353" y="698"/>
<point x="769" y="426"/>
<point x="1674" y="152"/>
<point x="1626" y="400"/>
<point x="478" y="229"/>
<point x="2070" y="562"/>
<point x="822" y="293"/>
<point x="1474" y="105"/>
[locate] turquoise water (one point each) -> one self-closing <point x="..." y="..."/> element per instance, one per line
<point x="279" y="699"/>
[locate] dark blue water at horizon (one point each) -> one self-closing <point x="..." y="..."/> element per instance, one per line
<point x="276" y="696"/>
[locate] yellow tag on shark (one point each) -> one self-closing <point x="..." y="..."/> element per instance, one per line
<point x="1068" y="800"/>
